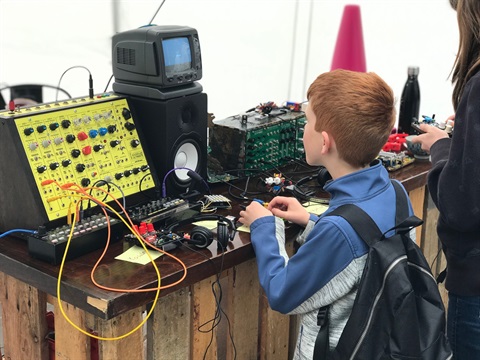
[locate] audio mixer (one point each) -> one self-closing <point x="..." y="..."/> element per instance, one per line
<point x="50" y="150"/>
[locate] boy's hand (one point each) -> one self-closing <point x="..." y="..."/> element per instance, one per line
<point x="289" y="209"/>
<point x="252" y="212"/>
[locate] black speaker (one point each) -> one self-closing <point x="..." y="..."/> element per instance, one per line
<point x="175" y="137"/>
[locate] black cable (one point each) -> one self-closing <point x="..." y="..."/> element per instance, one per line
<point x="90" y="80"/>
<point x="215" y="321"/>
<point x="108" y="83"/>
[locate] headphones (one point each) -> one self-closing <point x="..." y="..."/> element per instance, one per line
<point x="322" y="177"/>
<point x="201" y="237"/>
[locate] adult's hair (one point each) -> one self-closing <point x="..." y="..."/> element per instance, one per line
<point x="357" y="109"/>
<point x="467" y="62"/>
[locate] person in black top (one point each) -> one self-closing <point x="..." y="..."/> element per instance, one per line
<point x="454" y="184"/>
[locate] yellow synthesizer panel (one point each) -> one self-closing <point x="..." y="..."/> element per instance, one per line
<point x="82" y="141"/>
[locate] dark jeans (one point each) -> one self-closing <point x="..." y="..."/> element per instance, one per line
<point x="463" y="326"/>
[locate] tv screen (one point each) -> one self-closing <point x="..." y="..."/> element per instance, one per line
<point x="177" y="55"/>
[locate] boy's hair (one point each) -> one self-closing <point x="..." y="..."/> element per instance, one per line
<point x="357" y="109"/>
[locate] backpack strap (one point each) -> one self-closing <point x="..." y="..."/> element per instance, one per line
<point x="369" y="232"/>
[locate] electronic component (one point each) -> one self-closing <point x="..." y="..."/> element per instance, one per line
<point x="257" y="143"/>
<point x="217" y="201"/>
<point x="88" y="235"/>
<point x="82" y="142"/>
<point x="157" y="210"/>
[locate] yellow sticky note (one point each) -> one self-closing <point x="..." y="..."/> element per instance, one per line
<point x="244" y="228"/>
<point x="314" y="208"/>
<point x="137" y="254"/>
<point x="209" y="224"/>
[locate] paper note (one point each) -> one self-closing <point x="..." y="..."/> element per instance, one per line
<point x="137" y="254"/>
<point x="315" y="208"/>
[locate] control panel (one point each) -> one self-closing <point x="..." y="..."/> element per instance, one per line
<point x="92" y="143"/>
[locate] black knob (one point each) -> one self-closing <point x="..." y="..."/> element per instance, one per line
<point x="129" y="126"/>
<point x="111" y="129"/>
<point x="28" y="131"/>
<point x="127" y="173"/>
<point x="80" y="167"/>
<point x="67" y="162"/>
<point x="75" y="153"/>
<point x="54" y="165"/>
<point x="41" y="128"/>
<point x="70" y="138"/>
<point x="136" y="171"/>
<point x="41" y="169"/>
<point x="114" y="143"/>
<point x="53" y="126"/>
<point x="97" y="148"/>
<point x="145" y="168"/>
<point x="134" y="143"/>
<point x="85" y="182"/>
<point x="118" y="176"/>
<point x="126" y="114"/>
<point x="66" y="123"/>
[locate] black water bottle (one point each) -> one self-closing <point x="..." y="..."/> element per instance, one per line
<point x="410" y="102"/>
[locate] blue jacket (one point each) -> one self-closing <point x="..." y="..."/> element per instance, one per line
<point x="328" y="265"/>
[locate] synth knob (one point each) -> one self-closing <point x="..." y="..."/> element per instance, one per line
<point x="135" y="143"/>
<point x="126" y="114"/>
<point x="66" y="124"/>
<point x="127" y="173"/>
<point x="80" y="167"/>
<point x="118" y="176"/>
<point x="66" y="162"/>
<point x="85" y="182"/>
<point x="93" y="133"/>
<point x="46" y="143"/>
<point x="28" y="131"/>
<point x="103" y="131"/>
<point x="145" y="168"/>
<point x="97" y="148"/>
<point x="53" y="126"/>
<point x="136" y="171"/>
<point x="76" y="153"/>
<point x="41" y="128"/>
<point x="41" y="169"/>
<point x="114" y="143"/>
<point x="87" y="150"/>
<point x="54" y="166"/>
<point x="33" y="146"/>
<point x="70" y="138"/>
<point x="111" y="129"/>
<point x="129" y="126"/>
<point x="82" y="135"/>
<point x="58" y="140"/>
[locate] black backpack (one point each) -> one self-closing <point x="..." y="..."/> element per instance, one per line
<point x="398" y="312"/>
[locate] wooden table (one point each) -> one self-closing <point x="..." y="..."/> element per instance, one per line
<point x="172" y="332"/>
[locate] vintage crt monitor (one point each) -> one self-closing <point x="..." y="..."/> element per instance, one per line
<point x="158" y="62"/>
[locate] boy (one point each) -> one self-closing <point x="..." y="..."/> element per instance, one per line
<point x="350" y="116"/>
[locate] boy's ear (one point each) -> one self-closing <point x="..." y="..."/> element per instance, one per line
<point x="328" y="142"/>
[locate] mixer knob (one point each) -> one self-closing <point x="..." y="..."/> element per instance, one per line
<point x="80" y="167"/>
<point x="66" y="162"/>
<point x="28" y="131"/>
<point x="111" y="129"/>
<point x="118" y="176"/>
<point x="85" y="182"/>
<point x="126" y="114"/>
<point x="41" y="169"/>
<point x="75" y="153"/>
<point x="135" y="143"/>
<point x="53" y="126"/>
<point x="41" y="128"/>
<point x="33" y="146"/>
<point x="66" y="124"/>
<point x="70" y="138"/>
<point x="129" y="126"/>
<point x="58" y="140"/>
<point x="103" y="131"/>
<point x="114" y="143"/>
<point x="127" y="173"/>
<point x="97" y="148"/>
<point x="54" y="165"/>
